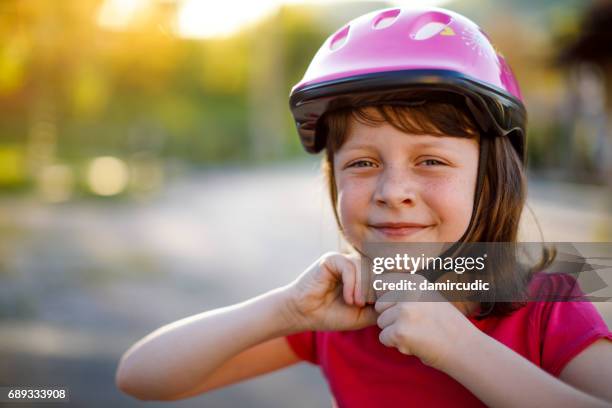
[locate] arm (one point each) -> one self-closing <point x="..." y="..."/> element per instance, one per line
<point x="591" y="370"/>
<point x="261" y="359"/>
<point x="502" y="378"/>
<point x="179" y="358"/>
<point x="226" y="345"/>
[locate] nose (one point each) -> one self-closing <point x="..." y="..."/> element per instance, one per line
<point x="396" y="188"/>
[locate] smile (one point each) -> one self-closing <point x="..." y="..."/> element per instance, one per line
<point x="398" y="230"/>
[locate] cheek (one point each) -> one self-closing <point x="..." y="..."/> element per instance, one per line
<point x="452" y="199"/>
<point x="353" y="201"/>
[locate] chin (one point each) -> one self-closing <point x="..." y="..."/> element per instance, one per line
<point x="406" y="240"/>
<point x="370" y="237"/>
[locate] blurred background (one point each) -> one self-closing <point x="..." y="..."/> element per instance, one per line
<point x="149" y="168"/>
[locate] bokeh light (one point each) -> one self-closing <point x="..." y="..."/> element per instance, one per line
<point x="56" y="183"/>
<point x="107" y="176"/>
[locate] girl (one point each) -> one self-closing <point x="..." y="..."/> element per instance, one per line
<point x="423" y="126"/>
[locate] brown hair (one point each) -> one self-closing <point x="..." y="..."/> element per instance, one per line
<point x="498" y="210"/>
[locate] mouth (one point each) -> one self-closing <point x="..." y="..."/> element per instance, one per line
<point x="397" y="229"/>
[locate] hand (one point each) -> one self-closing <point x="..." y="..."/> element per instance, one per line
<point x="423" y="324"/>
<point x="329" y="295"/>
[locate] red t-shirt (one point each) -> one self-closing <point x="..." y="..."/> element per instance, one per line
<point x="362" y="372"/>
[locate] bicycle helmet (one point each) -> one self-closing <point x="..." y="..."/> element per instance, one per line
<point x="406" y="49"/>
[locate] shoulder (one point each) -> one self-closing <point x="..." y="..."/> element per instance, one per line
<point x="554" y="287"/>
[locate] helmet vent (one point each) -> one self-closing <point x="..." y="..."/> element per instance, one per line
<point x="339" y="39"/>
<point x="429" y="25"/>
<point x="385" y="19"/>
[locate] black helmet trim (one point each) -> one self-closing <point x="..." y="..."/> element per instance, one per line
<point x="495" y="111"/>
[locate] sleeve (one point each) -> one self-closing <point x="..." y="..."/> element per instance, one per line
<point x="569" y="328"/>
<point x="304" y="345"/>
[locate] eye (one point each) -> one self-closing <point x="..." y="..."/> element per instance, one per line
<point x="432" y="162"/>
<point x="362" y="163"/>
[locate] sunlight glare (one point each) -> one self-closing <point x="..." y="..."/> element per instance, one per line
<point x="118" y="14"/>
<point x="206" y="19"/>
<point x="200" y="19"/>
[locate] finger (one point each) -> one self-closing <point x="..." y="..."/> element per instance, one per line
<point x="370" y="296"/>
<point x="362" y="281"/>
<point x="359" y="297"/>
<point x="387" y="336"/>
<point x="358" y="291"/>
<point x="404" y="349"/>
<point x="368" y="316"/>
<point x="381" y="305"/>
<point x="339" y="268"/>
<point x="387" y="317"/>
<point x="347" y="270"/>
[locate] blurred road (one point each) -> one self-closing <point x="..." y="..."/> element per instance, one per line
<point x="80" y="282"/>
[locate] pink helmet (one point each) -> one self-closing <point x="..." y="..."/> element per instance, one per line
<point x="397" y="49"/>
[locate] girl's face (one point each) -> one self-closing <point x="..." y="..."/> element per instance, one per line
<point x="398" y="187"/>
